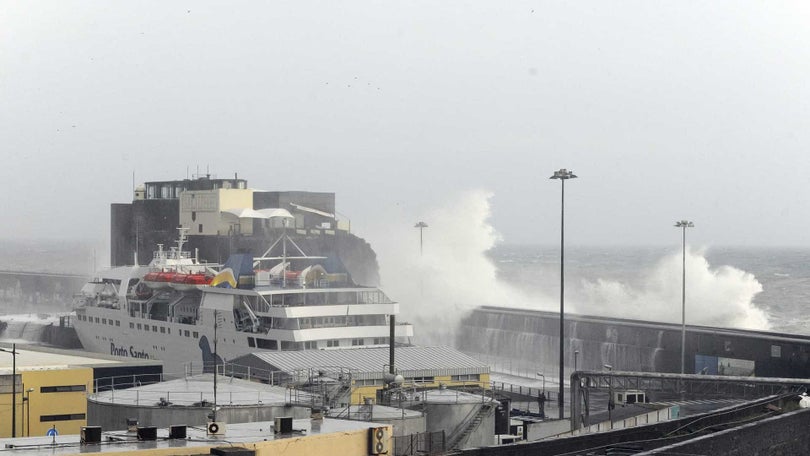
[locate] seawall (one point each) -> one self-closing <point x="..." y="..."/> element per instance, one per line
<point x="529" y="341"/>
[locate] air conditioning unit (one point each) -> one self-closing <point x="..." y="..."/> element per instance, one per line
<point x="283" y="425"/>
<point x="90" y="434"/>
<point x="378" y="440"/>
<point x="177" y="431"/>
<point x="147" y="433"/>
<point x="216" y="428"/>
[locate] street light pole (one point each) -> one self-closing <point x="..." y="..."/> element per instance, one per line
<point x="684" y="224"/>
<point x="13" y="388"/>
<point x="611" y="404"/>
<point x="563" y="174"/>
<point x="421" y="226"/>
<point x="27" y="399"/>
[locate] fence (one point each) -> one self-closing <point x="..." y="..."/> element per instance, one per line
<point x="421" y="444"/>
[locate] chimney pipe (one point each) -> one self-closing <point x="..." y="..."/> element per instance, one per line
<point x="392" y="319"/>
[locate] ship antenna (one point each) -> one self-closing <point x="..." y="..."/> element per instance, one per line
<point x="284" y="255"/>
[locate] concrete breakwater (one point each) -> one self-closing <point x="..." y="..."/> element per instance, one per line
<point x="38" y="292"/>
<point x="37" y="306"/>
<point x="529" y="341"/>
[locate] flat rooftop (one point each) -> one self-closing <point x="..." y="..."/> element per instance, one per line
<point x="30" y="358"/>
<point x="194" y="390"/>
<point x="235" y="434"/>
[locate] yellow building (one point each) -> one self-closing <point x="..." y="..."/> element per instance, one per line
<point x="51" y="389"/>
<point x="206" y="212"/>
<point x="309" y="437"/>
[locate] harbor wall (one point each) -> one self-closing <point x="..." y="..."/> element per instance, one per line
<point x="526" y="342"/>
<point x="38" y="292"/>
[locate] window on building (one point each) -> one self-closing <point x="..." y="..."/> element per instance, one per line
<point x="333" y="343"/>
<point x="358" y="342"/>
<point x="62" y="388"/>
<point x="465" y="378"/>
<point x="200" y="228"/>
<point x="196" y="334"/>
<point x="139" y="326"/>
<point x="154" y="328"/>
<point x="131" y="325"/>
<point x="163" y="329"/>
<point x="65" y="417"/>
<point x="117" y="322"/>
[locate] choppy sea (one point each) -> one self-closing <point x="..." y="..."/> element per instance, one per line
<point x="773" y="281"/>
<point x="725" y="286"/>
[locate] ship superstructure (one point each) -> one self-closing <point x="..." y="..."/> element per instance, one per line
<point x="294" y="304"/>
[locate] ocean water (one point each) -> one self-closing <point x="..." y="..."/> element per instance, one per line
<point x="466" y="263"/>
<point x="740" y="284"/>
<point x="738" y="287"/>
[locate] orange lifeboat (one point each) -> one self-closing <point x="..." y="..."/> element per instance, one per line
<point x="182" y="281"/>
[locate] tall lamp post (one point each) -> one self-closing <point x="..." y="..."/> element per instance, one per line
<point x="27" y="400"/>
<point x="684" y="224"/>
<point x="421" y="226"/>
<point x="13" y="388"/>
<point x="563" y="175"/>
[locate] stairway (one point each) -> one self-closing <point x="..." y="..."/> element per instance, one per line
<point x="471" y="426"/>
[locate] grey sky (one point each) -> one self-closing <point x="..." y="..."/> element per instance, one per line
<point x="666" y="110"/>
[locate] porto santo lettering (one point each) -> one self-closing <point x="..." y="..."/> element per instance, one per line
<point x="132" y="353"/>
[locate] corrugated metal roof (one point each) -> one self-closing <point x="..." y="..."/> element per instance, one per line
<point x="372" y="362"/>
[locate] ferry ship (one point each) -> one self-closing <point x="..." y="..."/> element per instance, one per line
<point x="155" y="312"/>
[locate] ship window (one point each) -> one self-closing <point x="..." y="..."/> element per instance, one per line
<point x="131" y="325"/>
<point x="267" y="344"/>
<point x="288" y="345"/>
<point x="163" y="330"/>
<point x="251" y="342"/>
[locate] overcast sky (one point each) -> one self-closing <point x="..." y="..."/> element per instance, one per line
<point x="665" y="110"/>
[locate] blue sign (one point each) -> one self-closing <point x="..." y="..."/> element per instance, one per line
<point x="52" y="432"/>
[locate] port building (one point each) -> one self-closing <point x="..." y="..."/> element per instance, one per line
<point x="50" y="386"/>
<point x="368" y="369"/>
